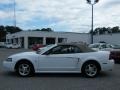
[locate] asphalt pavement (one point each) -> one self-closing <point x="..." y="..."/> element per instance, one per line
<point x="109" y="80"/>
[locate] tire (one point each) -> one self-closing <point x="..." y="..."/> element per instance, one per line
<point x="90" y="69"/>
<point x="24" y="69"/>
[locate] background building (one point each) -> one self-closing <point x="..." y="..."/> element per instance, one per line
<point x="27" y="38"/>
<point x="108" y="38"/>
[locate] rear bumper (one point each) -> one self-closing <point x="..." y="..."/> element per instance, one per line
<point x="117" y="60"/>
<point x="108" y="66"/>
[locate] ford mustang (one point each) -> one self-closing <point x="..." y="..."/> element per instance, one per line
<point x="60" y="58"/>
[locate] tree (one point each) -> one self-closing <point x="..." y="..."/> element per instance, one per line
<point x="12" y="29"/>
<point x="1" y="28"/>
<point x="5" y="29"/>
<point x="47" y="29"/>
<point x="37" y="30"/>
<point x="109" y="30"/>
<point x="115" y="29"/>
<point x="2" y="34"/>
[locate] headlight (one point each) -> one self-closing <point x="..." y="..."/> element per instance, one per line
<point x="9" y="59"/>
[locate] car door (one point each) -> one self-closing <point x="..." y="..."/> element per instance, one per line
<point x="58" y="59"/>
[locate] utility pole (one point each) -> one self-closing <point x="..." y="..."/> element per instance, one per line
<point x="92" y="3"/>
<point x="14" y="14"/>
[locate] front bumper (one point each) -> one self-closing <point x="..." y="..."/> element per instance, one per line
<point x="9" y="66"/>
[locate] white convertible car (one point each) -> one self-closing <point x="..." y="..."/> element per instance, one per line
<point x="60" y="58"/>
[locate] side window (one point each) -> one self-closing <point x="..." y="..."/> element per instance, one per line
<point x="109" y="46"/>
<point x="64" y="49"/>
<point x="56" y="50"/>
<point x="103" y="46"/>
<point x="74" y="49"/>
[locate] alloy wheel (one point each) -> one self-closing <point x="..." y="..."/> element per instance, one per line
<point x="24" y="69"/>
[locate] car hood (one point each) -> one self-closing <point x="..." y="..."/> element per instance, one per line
<point x="23" y="54"/>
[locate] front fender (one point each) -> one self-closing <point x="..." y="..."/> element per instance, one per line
<point x="34" y="61"/>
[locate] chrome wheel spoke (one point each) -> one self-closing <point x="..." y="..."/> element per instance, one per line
<point x="91" y="69"/>
<point x="24" y="69"/>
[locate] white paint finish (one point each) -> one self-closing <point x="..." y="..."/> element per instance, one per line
<point x="26" y="42"/>
<point x="44" y="40"/>
<point x="109" y="38"/>
<point x="57" y="63"/>
<point x="61" y="62"/>
<point x="69" y="36"/>
<point x="56" y="40"/>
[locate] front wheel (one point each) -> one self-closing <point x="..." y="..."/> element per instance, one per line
<point x="24" y="69"/>
<point x="90" y="69"/>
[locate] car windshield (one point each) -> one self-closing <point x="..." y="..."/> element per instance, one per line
<point x="40" y="50"/>
<point x="116" y="46"/>
<point x="94" y="46"/>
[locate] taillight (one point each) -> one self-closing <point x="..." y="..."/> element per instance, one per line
<point x="111" y="56"/>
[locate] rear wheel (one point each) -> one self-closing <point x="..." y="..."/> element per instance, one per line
<point x="90" y="69"/>
<point x="24" y="69"/>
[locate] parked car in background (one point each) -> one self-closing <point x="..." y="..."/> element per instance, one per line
<point x="14" y="45"/>
<point x="101" y="46"/>
<point x="60" y="58"/>
<point x="8" y="45"/>
<point x="35" y="47"/>
<point x="114" y="50"/>
<point x="2" y="44"/>
<point x="115" y="53"/>
<point x="116" y="47"/>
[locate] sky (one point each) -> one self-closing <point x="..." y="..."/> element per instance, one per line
<point x="60" y="15"/>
